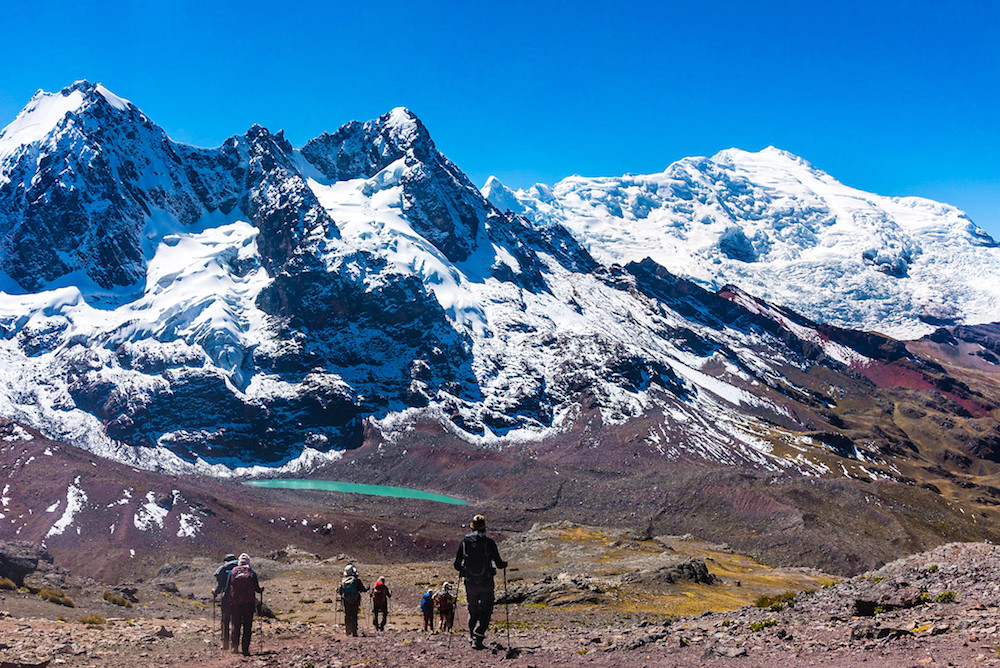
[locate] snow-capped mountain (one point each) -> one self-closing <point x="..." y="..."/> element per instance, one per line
<point x="256" y="305"/>
<point x="786" y="232"/>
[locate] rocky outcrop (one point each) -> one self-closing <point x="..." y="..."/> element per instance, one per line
<point x="19" y="559"/>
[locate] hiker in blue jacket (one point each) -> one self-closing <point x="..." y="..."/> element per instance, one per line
<point x="476" y="556"/>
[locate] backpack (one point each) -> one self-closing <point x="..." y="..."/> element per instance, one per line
<point x="445" y="602"/>
<point x="427" y="603"/>
<point x="241" y="588"/>
<point x="476" y="557"/>
<point x="380" y="594"/>
<point x="222" y="576"/>
<point x="349" y="590"/>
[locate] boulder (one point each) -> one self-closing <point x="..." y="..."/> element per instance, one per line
<point x="19" y="559"/>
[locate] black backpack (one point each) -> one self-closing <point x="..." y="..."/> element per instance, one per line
<point x="476" y="557"/>
<point x="222" y="575"/>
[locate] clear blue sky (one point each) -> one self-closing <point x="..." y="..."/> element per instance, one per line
<point x="898" y="98"/>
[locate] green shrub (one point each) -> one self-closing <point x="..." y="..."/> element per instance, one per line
<point x="945" y="597"/>
<point x="112" y="597"/>
<point x="7" y="584"/>
<point x="763" y="624"/>
<point x="776" y="602"/>
<point x="931" y="569"/>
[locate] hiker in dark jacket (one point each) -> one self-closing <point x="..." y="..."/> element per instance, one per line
<point x="350" y="591"/>
<point x="380" y="595"/>
<point x="242" y="588"/>
<point x="221" y="577"/>
<point x="474" y="560"/>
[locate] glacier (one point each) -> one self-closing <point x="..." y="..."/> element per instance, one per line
<point x="787" y="232"/>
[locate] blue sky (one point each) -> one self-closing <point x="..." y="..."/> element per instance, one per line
<point x="895" y="98"/>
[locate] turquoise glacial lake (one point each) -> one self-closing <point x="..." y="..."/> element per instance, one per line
<point x="356" y="488"/>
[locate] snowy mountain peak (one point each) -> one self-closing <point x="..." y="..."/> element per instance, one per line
<point x="787" y="232"/>
<point x="500" y="196"/>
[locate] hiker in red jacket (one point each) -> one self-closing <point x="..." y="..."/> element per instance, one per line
<point x="444" y="601"/>
<point x="380" y="596"/>
<point x="242" y="588"/>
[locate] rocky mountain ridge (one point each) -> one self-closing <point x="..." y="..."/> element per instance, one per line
<point x="255" y="305"/>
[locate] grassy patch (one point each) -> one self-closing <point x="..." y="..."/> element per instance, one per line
<point x="54" y="596"/>
<point x="6" y="583"/>
<point x="94" y="622"/>
<point x="945" y="597"/>
<point x="112" y="597"/>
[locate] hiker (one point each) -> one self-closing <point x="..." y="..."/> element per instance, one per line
<point x="350" y="591"/>
<point x="380" y="596"/>
<point x="221" y="577"/>
<point x="474" y="561"/>
<point x="427" y="607"/>
<point x="242" y="588"/>
<point x="444" y="601"/>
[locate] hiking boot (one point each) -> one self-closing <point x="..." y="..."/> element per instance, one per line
<point x="477" y="643"/>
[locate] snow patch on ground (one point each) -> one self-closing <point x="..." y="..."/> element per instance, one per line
<point x="149" y="515"/>
<point x="75" y="500"/>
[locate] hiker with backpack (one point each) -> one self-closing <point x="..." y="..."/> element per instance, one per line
<point x="380" y="596"/>
<point x="350" y="591"/>
<point x="475" y="559"/>
<point x="221" y="577"/>
<point x="427" y="607"/>
<point x="444" y="602"/>
<point x="242" y="588"/>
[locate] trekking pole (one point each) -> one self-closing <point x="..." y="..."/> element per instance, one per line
<point x="214" y="627"/>
<point x="506" y="606"/>
<point x="260" y="625"/>
<point x="451" y="629"/>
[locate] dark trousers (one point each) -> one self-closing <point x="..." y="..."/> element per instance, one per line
<point x="480" y="596"/>
<point x="380" y="609"/>
<point x="351" y="617"/>
<point x="226" y="613"/>
<point x="242" y="625"/>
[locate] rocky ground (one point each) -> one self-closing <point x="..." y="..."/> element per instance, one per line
<point x="577" y="595"/>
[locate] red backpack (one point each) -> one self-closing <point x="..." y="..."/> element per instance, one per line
<point x="380" y="593"/>
<point x="241" y="589"/>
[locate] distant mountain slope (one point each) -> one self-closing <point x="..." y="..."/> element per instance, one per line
<point x="252" y="307"/>
<point x="788" y="233"/>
